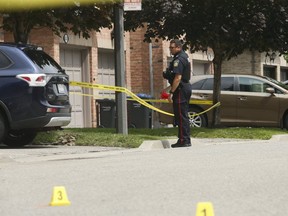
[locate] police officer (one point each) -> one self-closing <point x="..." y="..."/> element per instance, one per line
<point x="178" y="75"/>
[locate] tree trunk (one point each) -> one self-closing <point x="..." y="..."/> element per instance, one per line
<point x="20" y="37"/>
<point x="217" y="90"/>
<point x="21" y="29"/>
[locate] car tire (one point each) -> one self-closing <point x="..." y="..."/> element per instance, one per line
<point x="132" y="126"/>
<point x="19" y="138"/>
<point x="3" y="128"/>
<point x="198" y="120"/>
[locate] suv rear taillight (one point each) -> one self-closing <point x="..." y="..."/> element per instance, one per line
<point x="34" y="80"/>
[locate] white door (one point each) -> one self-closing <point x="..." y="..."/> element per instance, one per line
<point x="76" y="99"/>
<point x="106" y="71"/>
<point x="70" y="60"/>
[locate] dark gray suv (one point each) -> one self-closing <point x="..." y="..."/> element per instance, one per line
<point x="34" y="94"/>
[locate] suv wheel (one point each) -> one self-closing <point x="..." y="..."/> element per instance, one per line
<point x="196" y="120"/>
<point x="19" y="138"/>
<point x="2" y="128"/>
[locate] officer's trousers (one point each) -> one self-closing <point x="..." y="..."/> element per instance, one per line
<point x="181" y="98"/>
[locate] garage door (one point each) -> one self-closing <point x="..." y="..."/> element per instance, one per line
<point x="70" y="60"/>
<point x="201" y="68"/>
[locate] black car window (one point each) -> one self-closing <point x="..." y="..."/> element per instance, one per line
<point x="4" y="61"/>
<point x="252" y="85"/>
<point x="45" y="63"/>
<point x="227" y="84"/>
<point x="208" y="84"/>
<point x="255" y="85"/>
<point x="198" y="85"/>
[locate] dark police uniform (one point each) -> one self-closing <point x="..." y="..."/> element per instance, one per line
<point x="181" y="96"/>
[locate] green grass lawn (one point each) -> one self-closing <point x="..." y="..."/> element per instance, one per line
<point x="135" y="137"/>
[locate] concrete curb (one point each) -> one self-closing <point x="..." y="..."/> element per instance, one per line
<point x="279" y="138"/>
<point x="151" y="144"/>
<point x="163" y="144"/>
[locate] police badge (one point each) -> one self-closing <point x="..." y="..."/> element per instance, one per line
<point x="176" y="63"/>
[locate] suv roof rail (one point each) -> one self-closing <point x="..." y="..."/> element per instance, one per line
<point x="20" y="45"/>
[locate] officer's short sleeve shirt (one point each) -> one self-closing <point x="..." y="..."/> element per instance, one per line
<point x="178" y="66"/>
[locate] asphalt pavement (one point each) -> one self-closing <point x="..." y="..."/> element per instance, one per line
<point x="239" y="177"/>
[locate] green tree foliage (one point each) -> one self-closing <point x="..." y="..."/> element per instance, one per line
<point x="227" y="26"/>
<point x="78" y="19"/>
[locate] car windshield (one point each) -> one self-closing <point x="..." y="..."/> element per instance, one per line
<point x="276" y="82"/>
<point x="43" y="61"/>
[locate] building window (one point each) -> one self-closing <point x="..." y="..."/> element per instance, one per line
<point x="283" y="74"/>
<point x="269" y="71"/>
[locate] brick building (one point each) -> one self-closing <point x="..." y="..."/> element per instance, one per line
<point x="92" y="60"/>
<point x="267" y="64"/>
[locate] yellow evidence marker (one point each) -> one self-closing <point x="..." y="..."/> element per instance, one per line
<point x="59" y="197"/>
<point x="204" y="209"/>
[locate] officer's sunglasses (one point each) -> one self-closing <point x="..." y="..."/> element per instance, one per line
<point x="173" y="47"/>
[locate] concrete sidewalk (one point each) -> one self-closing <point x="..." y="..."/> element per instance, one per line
<point x="37" y="153"/>
<point x="163" y="144"/>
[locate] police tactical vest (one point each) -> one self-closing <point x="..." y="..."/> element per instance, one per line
<point x="183" y="58"/>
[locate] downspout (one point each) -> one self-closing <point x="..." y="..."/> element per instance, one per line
<point x="253" y="62"/>
<point x="151" y="70"/>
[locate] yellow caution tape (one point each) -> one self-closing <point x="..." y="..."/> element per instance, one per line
<point x="202" y="102"/>
<point x="119" y="89"/>
<point x="13" y="5"/>
<point x="144" y="102"/>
